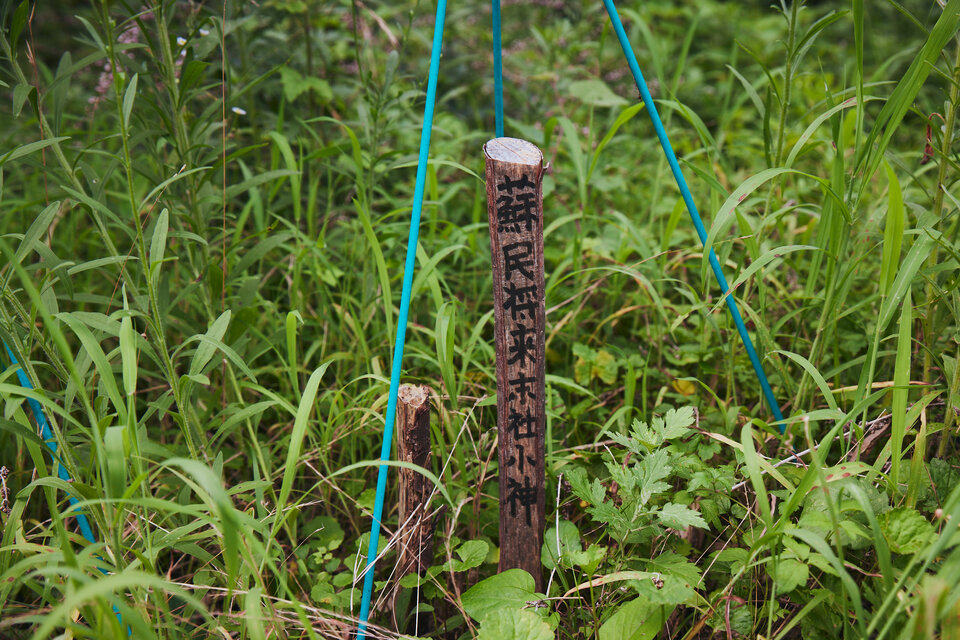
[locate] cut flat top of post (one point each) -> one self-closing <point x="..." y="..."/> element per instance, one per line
<point x="413" y="395"/>
<point x="513" y="150"/>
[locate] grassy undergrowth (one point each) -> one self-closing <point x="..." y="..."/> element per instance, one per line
<point x="204" y="217"/>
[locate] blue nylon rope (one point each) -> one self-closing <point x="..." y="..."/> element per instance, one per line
<point x="692" y="209"/>
<point x="85" y="530"/>
<point x="497" y="67"/>
<point x="408" y="270"/>
<point x="47" y="434"/>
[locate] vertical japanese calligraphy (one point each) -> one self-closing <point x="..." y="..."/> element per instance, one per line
<point x="514" y="171"/>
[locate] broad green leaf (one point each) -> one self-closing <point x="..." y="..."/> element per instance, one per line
<point x="789" y="574"/>
<point x="605" y="367"/>
<point x="634" y="620"/>
<point x="511" y="589"/>
<point x="472" y="553"/>
<point x="514" y="624"/>
<point x="906" y="530"/>
<point x="595" y="92"/>
<point x="560" y="545"/>
<point x="327" y="532"/>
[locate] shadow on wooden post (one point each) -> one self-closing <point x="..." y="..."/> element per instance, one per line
<point x="415" y="530"/>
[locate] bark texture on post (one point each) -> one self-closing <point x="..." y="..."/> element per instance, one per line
<point x="514" y="171"/>
<point x="415" y="529"/>
<point x="415" y="526"/>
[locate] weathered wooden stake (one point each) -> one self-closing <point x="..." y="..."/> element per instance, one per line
<point x="515" y="208"/>
<point x="416" y="528"/>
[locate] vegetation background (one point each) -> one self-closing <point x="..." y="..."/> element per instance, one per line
<point x="204" y="212"/>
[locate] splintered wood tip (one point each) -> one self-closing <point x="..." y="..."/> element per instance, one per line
<point x="513" y="150"/>
<point x="413" y="395"/>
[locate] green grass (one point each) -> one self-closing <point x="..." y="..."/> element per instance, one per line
<point x="202" y="261"/>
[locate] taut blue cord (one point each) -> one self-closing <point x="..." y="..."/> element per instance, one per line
<point x="692" y="208"/>
<point x="408" y="269"/>
<point x="497" y="67"/>
<point x="85" y="530"/>
<point x="47" y="434"/>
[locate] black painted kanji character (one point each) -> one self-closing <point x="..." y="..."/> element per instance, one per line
<point x="518" y="256"/>
<point x="522" y="425"/>
<point x="522" y="459"/>
<point x="520" y="301"/>
<point x="516" y="213"/>
<point x="508" y="185"/>
<point x="524" y="387"/>
<point x="523" y="348"/>
<point x="521" y="494"/>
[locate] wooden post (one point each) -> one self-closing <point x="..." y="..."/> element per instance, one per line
<point x="515" y="209"/>
<point x="415" y="527"/>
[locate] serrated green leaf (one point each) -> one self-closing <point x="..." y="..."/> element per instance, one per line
<point x="677" y="516"/>
<point x="676" y="423"/>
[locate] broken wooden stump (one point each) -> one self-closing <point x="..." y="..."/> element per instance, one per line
<point x="416" y="527"/>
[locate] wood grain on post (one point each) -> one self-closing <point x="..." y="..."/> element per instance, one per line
<point x="413" y="444"/>
<point x="514" y="172"/>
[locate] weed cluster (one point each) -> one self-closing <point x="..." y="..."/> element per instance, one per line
<point x="204" y="212"/>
